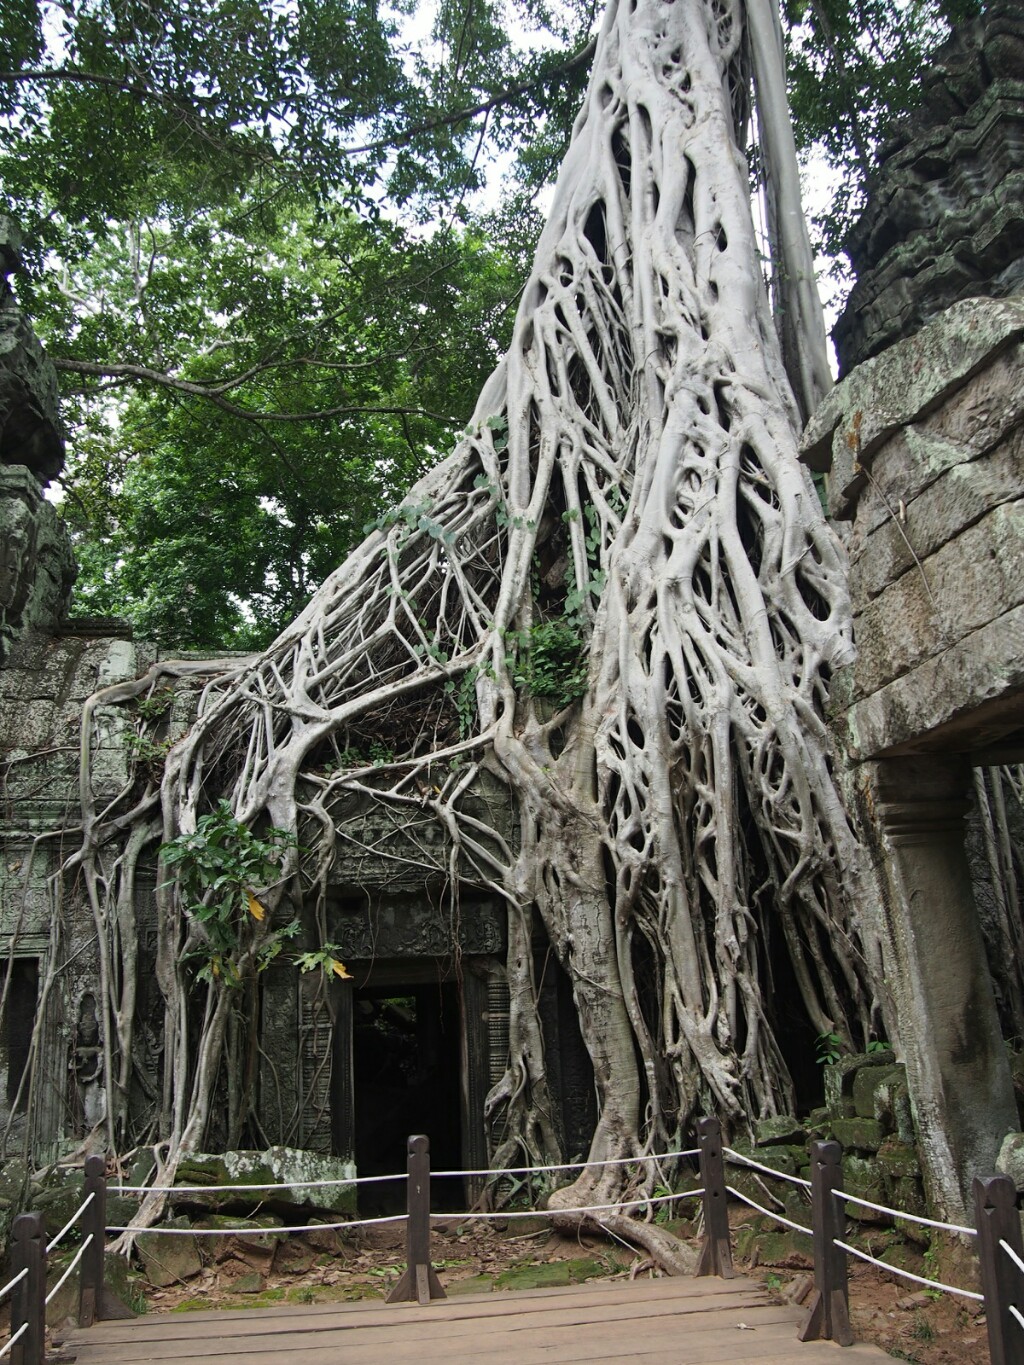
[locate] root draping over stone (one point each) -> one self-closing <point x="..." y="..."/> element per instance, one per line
<point x="618" y="597"/>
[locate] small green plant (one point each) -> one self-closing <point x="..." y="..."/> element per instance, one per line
<point x="828" y="1048"/>
<point x="221" y="869"/>
<point x="553" y="662"/>
<point x="922" y="1330"/>
<point x="326" y="959"/>
<point x="773" y="1282"/>
<point x="155" y="706"/>
<point x="878" y="1045"/>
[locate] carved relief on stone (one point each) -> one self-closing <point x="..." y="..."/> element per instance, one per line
<point x="944" y="218"/>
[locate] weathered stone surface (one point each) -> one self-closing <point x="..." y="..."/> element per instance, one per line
<point x="37" y="568"/>
<point x="863" y="1135"/>
<point x="872" y="1091"/>
<point x="765" y="1244"/>
<point x="169" y="1259"/>
<point x="944" y="216"/>
<point x="862" y="1176"/>
<point x="31" y="433"/>
<point x="255" y="1249"/>
<point x="976" y="578"/>
<point x="956" y="500"/>
<point x="901" y="386"/>
<point x="961" y="699"/>
<point x="840" y="1077"/>
<point x="781" y="1129"/>
<point x="290" y="1166"/>
<point x="898" y="1159"/>
<point x="1011" y="1158"/>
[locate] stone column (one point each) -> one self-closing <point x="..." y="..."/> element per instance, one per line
<point x="957" y="1069"/>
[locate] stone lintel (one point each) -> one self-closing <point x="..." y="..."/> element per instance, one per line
<point x="966" y="698"/>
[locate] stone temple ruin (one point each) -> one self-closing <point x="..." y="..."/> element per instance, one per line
<point x="922" y="445"/>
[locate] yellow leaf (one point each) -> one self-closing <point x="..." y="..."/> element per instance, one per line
<point x="255" y="909"/>
<point x="339" y="969"/>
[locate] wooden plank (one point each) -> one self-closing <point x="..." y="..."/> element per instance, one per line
<point x="300" y="1318"/>
<point x="264" y="1334"/>
<point x="663" y="1322"/>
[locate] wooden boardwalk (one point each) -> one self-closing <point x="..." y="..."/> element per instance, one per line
<point x="661" y="1322"/>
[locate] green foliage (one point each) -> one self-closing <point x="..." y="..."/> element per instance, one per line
<point x="326" y="959"/>
<point x="219" y="869"/>
<point x="854" y="70"/>
<point x="552" y="661"/>
<point x="828" y="1048"/>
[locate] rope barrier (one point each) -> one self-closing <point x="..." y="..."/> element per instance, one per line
<point x="555" y="1213"/>
<point x="244" y="1189"/>
<point x="11" y="1283"/>
<point x="1016" y="1313"/>
<point x="17" y="1337"/>
<point x="568" y="1165"/>
<point x="263" y="1232"/>
<point x="908" y="1275"/>
<point x="779" y="1175"/>
<point x="67" y="1274"/>
<point x="1012" y="1254"/>
<point x="797" y="1227"/>
<point x="910" y="1217"/>
<point x="70" y="1223"/>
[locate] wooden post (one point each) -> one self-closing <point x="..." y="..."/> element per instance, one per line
<point x="94" y="1221"/>
<point x="419" y="1281"/>
<point x="28" y="1297"/>
<point x="716" y="1256"/>
<point x="996" y="1218"/>
<point x="829" y="1316"/>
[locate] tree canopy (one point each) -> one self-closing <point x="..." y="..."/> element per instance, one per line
<point x="258" y="255"/>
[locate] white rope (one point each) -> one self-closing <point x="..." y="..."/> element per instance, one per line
<point x="488" y="1174"/>
<point x="242" y="1189"/>
<point x="910" y="1217"/>
<point x="70" y="1223"/>
<point x="556" y="1213"/>
<point x="797" y="1227"/>
<point x="908" y="1275"/>
<point x="11" y="1283"/>
<point x="263" y="1232"/>
<point x="67" y="1274"/>
<point x="1016" y="1313"/>
<point x="1012" y="1254"/>
<point x="569" y="1165"/>
<point x="768" y="1170"/>
<point x="17" y="1337"/>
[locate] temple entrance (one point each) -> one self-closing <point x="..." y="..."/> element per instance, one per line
<point x="406" y="1066"/>
<point x="410" y="1057"/>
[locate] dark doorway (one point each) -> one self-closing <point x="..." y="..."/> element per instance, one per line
<point x="19" y="1021"/>
<point x="406" y="1066"/>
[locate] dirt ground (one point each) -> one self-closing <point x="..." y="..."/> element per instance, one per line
<point x="910" y="1324"/>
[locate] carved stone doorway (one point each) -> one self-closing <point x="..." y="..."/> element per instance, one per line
<point x="411" y="1056"/>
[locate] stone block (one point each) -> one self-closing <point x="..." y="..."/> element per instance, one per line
<point x="863" y="1135"/>
<point x="781" y="1129"/>
<point x="764" y="1244"/>
<point x="872" y="1091"/>
<point x="899" y="1159"/>
<point x="169" y="1259"/>
<point x="298" y="1170"/>
<point x="840" y="1076"/>
<point x="1010" y="1160"/>
<point x="247" y="1247"/>
<point x="863" y="1176"/>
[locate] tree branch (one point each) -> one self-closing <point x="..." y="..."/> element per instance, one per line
<point x="213" y="395"/>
